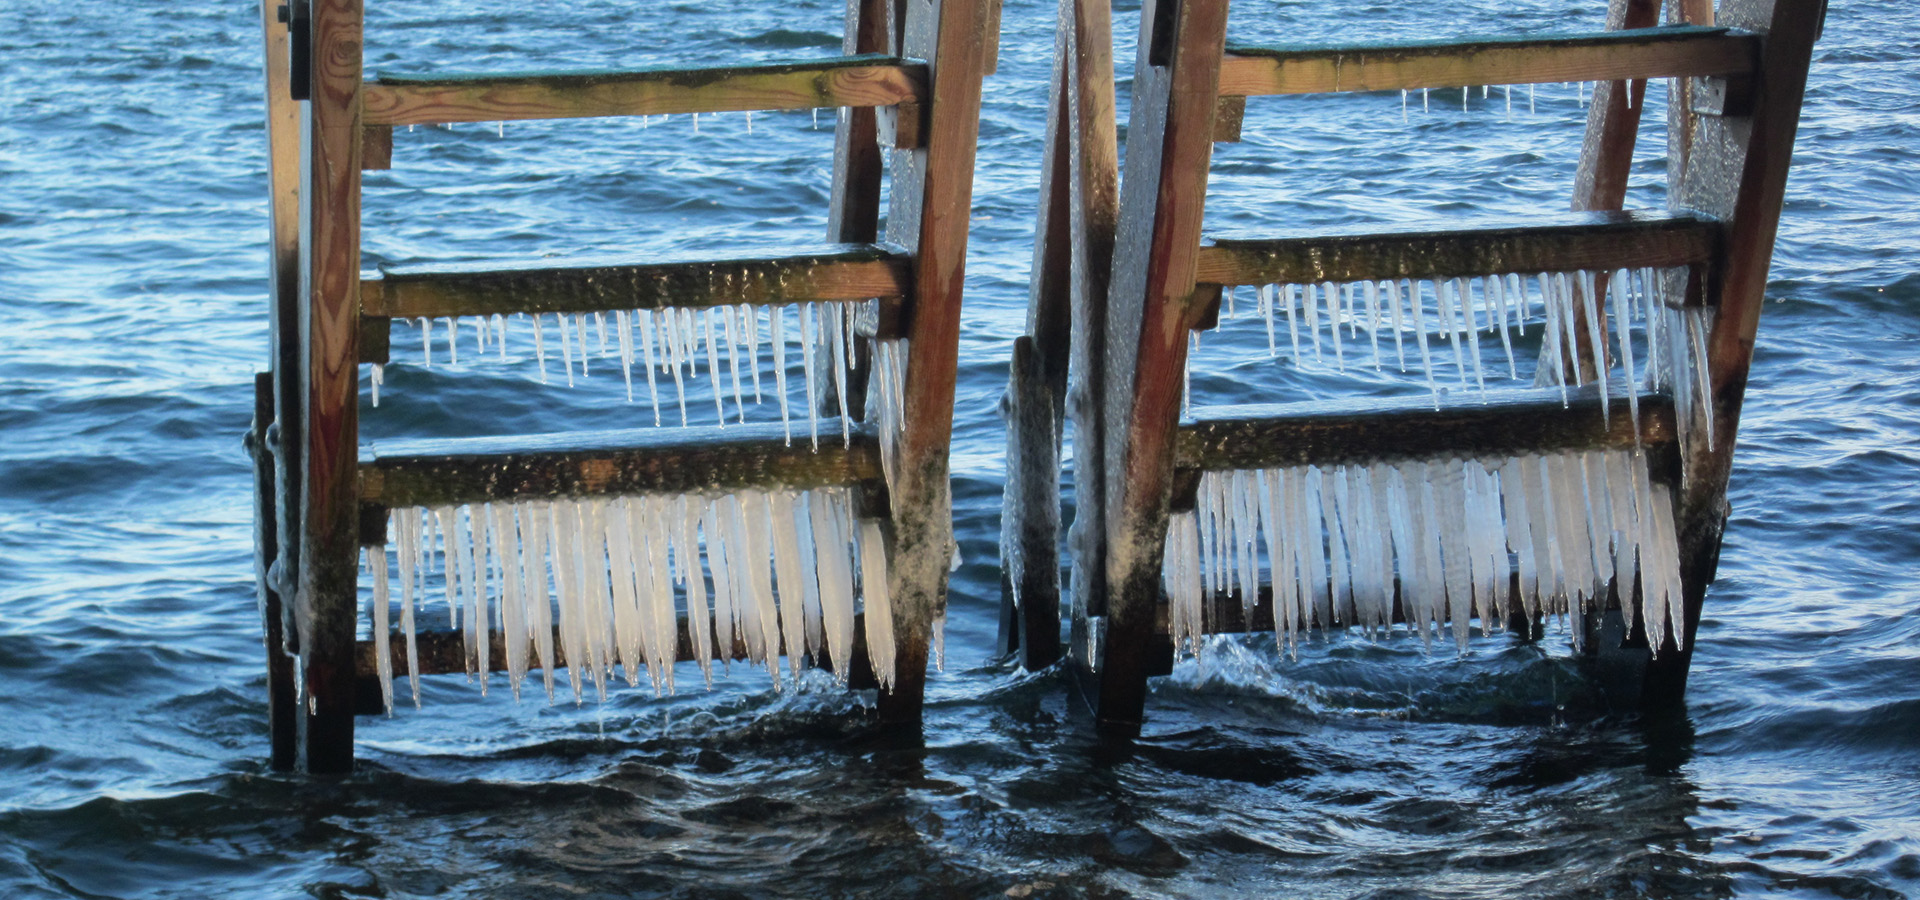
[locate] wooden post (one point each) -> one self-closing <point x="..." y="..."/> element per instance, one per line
<point x="931" y="204"/>
<point x="282" y="699"/>
<point x="277" y="422"/>
<point x="1163" y="197"/>
<point x="1736" y="169"/>
<point x="853" y="216"/>
<point x="329" y="296"/>
<point x="1066" y="321"/>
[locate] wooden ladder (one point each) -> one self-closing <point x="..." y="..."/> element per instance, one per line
<point x="1121" y="276"/>
<point x="910" y="80"/>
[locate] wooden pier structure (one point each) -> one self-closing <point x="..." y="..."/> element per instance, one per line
<point x="907" y="85"/>
<point x="1122" y="273"/>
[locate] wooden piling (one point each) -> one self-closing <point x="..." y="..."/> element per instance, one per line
<point x="929" y="214"/>
<point x="329" y="311"/>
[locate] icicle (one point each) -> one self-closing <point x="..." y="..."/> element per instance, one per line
<point x="809" y="328"/>
<point x="841" y="347"/>
<point x="1420" y="337"/>
<point x="382" y="653"/>
<point x="566" y="347"/>
<point x="412" y="577"/>
<point x="1293" y="329"/>
<point x="730" y="315"/>
<point x="1311" y="302"/>
<point x="1333" y="325"/>
<point x="750" y="323"/>
<point x="1372" y="292"/>
<point x="713" y="368"/>
<point x="453" y="341"/>
<point x="1597" y="337"/>
<point x="624" y="338"/>
<point x="779" y="339"/>
<point x="539" y="348"/>
<point x="1266" y="295"/>
<point x="876" y="602"/>
<point x="1620" y="289"/>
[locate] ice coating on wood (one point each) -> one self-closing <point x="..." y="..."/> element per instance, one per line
<point x="1624" y="327"/>
<point x="1431" y="545"/>
<point x="612" y="587"/>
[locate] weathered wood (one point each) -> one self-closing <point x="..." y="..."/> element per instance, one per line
<point x="859" y="80"/>
<point x="1613" y="121"/>
<point x="1600" y="56"/>
<point x="330" y="304"/>
<point x="282" y="693"/>
<point x="1736" y="169"/>
<point x="1030" y="531"/>
<point x="930" y="209"/>
<point x="1162" y="201"/>
<point x="853" y="272"/>
<point x="1095" y="211"/>
<point x="284" y="438"/>
<point x="376" y="147"/>
<point x="1602" y="241"/>
<point x="376" y="338"/>
<point x="853" y="210"/>
<point x="641" y="460"/>
<point x="1325" y="433"/>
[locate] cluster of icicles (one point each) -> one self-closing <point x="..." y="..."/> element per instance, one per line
<point x="1445" y="536"/>
<point x="1577" y="335"/>
<point x="648" y="121"/>
<point x="1584" y="90"/>
<point x="677" y="343"/>
<point x="596" y="582"/>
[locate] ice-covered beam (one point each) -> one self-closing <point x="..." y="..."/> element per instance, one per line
<point x="649" y="460"/>
<point x="1600" y="56"/>
<point x="838" y="272"/>
<point x="860" y="80"/>
<point x="1564" y="243"/>
<point x="1324" y="434"/>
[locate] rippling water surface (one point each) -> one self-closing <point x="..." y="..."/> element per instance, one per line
<point x="132" y="716"/>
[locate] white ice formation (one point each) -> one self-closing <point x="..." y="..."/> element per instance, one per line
<point x="1444" y="540"/>
<point x="1436" y="328"/>
<point x="721" y="348"/>
<point x="603" y="584"/>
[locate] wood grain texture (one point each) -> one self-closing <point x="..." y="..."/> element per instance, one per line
<point x="1602" y="241"/>
<point x="1329" y="433"/>
<point x="1600" y="56"/>
<point x="930" y="212"/>
<point x="853" y="272"/>
<point x="1162" y="202"/>
<point x="1735" y="168"/>
<point x="283" y="289"/>
<point x="330" y="304"/>
<point x="579" y="464"/>
<point x="1030" y="603"/>
<point x="862" y="80"/>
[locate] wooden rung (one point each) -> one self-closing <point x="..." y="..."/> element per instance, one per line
<point x="863" y="80"/>
<point x="1332" y="433"/>
<point x="1604" y="241"/>
<point x="1670" y="51"/>
<point x="645" y="460"/>
<point x="443" y="652"/>
<point x="842" y="272"/>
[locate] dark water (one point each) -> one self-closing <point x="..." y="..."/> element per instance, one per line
<point x="132" y="275"/>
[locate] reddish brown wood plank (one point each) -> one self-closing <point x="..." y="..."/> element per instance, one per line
<point x="1162" y="201"/>
<point x="931" y="205"/>
<point x="330" y="302"/>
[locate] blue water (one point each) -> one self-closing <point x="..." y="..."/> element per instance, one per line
<point x="132" y="716"/>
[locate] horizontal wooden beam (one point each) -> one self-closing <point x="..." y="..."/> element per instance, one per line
<point x="841" y="272"/>
<point x="644" y="460"/>
<point x="862" y="80"/>
<point x="444" y="652"/>
<point x="1401" y="428"/>
<point x="1602" y="240"/>
<point x="1669" y="51"/>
